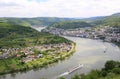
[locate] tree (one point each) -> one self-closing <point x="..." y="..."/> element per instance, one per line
<point x="116" y="70"/>
<point x="82" y="76"/>
<point x="110" y="65"/>
<point x="62" y="78"/>
<point x="103" y="73"/>
<point x="76" y="77"/>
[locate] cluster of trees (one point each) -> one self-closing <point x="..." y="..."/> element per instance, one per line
<point x="110" y="71"/>
<point x="70" y="24"/>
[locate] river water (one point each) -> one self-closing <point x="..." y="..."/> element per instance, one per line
<point x="88" y="52"/>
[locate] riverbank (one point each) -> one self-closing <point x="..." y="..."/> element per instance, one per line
<point x="14" y="65"/>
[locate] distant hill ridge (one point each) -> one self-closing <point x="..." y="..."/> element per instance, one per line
<point x="112" y="20"/>
<point x="45" y="21"/>
<point x="71" y="24"/>
<point x="116" y="14"/>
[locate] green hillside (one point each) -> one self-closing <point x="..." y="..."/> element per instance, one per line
<point x="112" y="20"/>
<point x="34" y="21"/>
<point x="12" y="35"/>
<point x="14" y="39"/>
<point x="70" y="24"/>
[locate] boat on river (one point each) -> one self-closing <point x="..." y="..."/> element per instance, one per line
<point x="71" y="70"/>
<point x="75" y="68"/>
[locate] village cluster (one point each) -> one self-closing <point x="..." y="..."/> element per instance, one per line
<point x="31" y="53"/>
<point x="107" y="33"/>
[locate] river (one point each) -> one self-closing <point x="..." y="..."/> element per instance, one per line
<point x="88" y="52"/>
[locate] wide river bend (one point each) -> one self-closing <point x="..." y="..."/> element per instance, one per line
<point x="88" y="52"/>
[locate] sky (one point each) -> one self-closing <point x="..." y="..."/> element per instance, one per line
<point x="58" y="8"/>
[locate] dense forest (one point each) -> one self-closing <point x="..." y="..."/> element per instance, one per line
<point x="12" y="35"/>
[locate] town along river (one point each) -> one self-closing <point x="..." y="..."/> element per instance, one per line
<point x="92" y="53"/>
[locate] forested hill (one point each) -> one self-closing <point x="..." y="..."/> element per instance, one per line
<point x="12" y="35"/>
<point x="46" y="21"/>
<point x="112" y="20"/>
<point x="70" y="24"/>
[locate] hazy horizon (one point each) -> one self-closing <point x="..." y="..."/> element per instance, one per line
<point x="51" y="17"/>
<point x="58" y="8"/>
